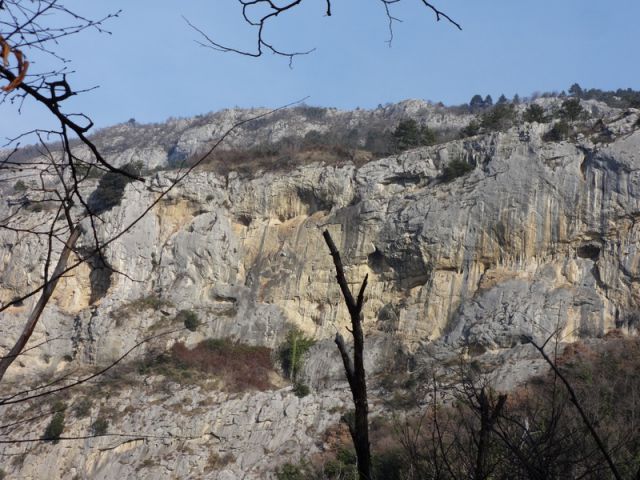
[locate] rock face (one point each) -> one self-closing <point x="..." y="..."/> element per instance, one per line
<point x="538" y="237"/>
<point x="183" y="433"/>
<point x="170" y="143"/>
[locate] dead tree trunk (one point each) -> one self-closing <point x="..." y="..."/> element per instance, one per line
<point x="354" y="369"/>
<point x="488" y="416"/>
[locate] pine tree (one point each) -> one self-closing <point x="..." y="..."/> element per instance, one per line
<point x="534" y="113"/>
<point x="409" y="134"/>
<point x="571" y="109"/>
<point x="576" y="91"/>
<point x="476" y="104"/>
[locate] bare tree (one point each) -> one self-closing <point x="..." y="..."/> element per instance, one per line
<point x="578" y="405"/>
<point x="489" y="410"/>
<point x="537" y="432"/>
<point x="354" y="368"/>
<point x="33" y="28"/>
<point x="55" y="175"/>
<point x="56" y="172"/>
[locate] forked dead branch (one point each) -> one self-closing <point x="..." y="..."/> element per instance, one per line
<point x="354" y="368"/>
<point x="260" y="14"/>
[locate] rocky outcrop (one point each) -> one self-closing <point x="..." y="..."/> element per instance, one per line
<point x="538" y="237"/>
<point x="155" y="430"/>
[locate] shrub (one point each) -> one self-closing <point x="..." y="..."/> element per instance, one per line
<point x="534" y="113"/>
<point x="631" y="320"/>
<point x="147" y="463"/>
<point x="312" y="113"/>
<point x="300" y="389"/>
<point x="292" y="352"/>
<point x="87" y="171"/>
<point x="35" y="207"/>
<point x="189" y="318"/>
<point x="559" y="131"/>
<point x="389" y="465"/>
<point x="148" y="302"/>
<point x="470" y="130"/>
<point x="454" y="169"/>
<point x="100" y="426"/>
<point x="55" y="428"/>
<point x="82" y="408"/>
<point x="58" y="406"/>
<point x="240" y="367"/>
<point x="343" y="466"/>
<point x="289" y="471"/>
<point x="19" y="186"/>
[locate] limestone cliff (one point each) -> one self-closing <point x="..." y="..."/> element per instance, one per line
<point x="538" y="236"/>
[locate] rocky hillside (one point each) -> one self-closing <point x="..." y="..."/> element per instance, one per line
<point x="538" y="235"/>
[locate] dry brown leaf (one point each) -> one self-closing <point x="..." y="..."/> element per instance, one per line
<point x="6" y="50"/>
<point x="23" y="66"/>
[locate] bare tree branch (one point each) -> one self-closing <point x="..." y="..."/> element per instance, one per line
<point x="274" y="10"/>
<point x="130" y="436"/>
<point x="25" y="395"/>
<point x="30" y="325"/>
<point x="164" y="193"/>
<point x="576" y="402"/>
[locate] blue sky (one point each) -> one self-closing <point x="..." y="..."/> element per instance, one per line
<point x="150" y="68"/>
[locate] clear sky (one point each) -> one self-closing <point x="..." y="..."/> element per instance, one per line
<point x="150" y="68"/>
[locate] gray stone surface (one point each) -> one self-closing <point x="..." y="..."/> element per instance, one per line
<point x="538" y="237"/>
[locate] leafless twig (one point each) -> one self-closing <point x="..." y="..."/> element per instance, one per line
<point x="268" y="11"/>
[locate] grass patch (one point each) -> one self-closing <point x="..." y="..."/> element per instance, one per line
<point x="217" y="461"/>
<point x="82" y="408"/>
<point x="137" y="306"/>
<point x="149" y="302"/>
<point x="147" y="463"/>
